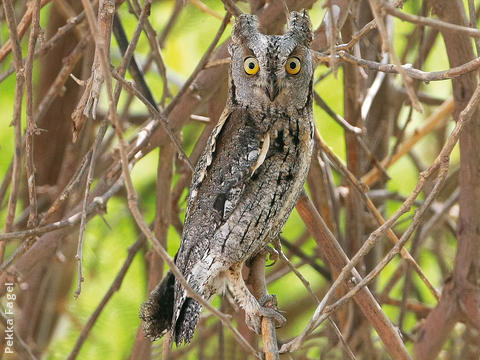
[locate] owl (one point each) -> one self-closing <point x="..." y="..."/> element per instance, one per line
<point x="248" y="178"/>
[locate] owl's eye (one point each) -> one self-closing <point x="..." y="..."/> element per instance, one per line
<point x="251" y="66"/>
<point x="293" y="65"/>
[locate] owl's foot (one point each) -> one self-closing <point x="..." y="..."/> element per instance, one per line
<point x="254" y="309"/>
<point x="267" y="308"/>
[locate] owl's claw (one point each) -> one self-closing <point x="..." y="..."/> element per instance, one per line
<point x="267" y="305"/>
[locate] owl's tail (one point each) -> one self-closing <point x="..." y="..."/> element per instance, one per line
<point x="157" y="311"/>
<point x="187" y="321"/>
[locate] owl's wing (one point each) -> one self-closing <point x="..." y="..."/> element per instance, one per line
<point x="206" y="159"/>
<point x="235" y="150"/>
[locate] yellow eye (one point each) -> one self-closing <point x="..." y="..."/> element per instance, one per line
<point x="293" y="65"/>
<point x="251" y="66"/>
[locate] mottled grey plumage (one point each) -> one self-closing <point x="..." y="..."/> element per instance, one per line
<point x="248" y="179"/>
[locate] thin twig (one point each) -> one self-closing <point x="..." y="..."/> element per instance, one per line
<point x="83" y="220"/>
<point x="435" y="23"/>
<point x="159" y="117"/>
<point x="74" y="181"/>
<point x="357" y="36"/>
<point x="387" y="47"/>
<point x="156" y="52"/>
<point x="344" y="343"/>
<point x="431" y="123"/>
<point x="412" y="72"/>
<point x="278" y="247"/>
<point x="362" y="191"/>
<point x="201" y="65"/>
<point x="340" y="120"/>
<point x="437" y="217"/>
<point x="6" y="183"/>
<point x="106" y="11"/>
<point x="355" y="130"/>
<point x="204" y="8"/>
<point x="16" y="122"/>
<point x="128" y="48"/>
<point x="31" y="126"/>
<point x="114" y="287"/>
<point x="21" y="28"/>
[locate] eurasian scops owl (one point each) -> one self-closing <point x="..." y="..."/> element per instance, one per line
<point x="248" y="179"/>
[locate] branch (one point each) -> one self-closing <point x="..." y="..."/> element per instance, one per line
<point x="31" y="126"/>
<point x="451" y="73"/>
<point x="114" y="287"/>
<point x="362" y="190"/>
<point x="337" y="260"/>
<point x="421" y="20"/>
<point x="256" y="279"/>
<point x="17" y="120"/>
<point x="20" y="29"/>
<point x="432" y="122"/>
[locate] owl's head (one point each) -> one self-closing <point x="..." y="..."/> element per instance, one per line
<point x="271" y="70"/>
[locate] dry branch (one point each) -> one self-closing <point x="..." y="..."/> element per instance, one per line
<point x="114" y="287"/>
<point x="16" y="122"/>
<point x="337" y="260"/>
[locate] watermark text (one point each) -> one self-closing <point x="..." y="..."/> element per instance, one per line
<point x="9" y="312"/>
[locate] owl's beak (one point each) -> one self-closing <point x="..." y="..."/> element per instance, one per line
<point x="272" y="89"/>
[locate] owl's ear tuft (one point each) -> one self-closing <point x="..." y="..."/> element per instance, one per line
<point x="300" y="27"/>
<point x="244" y="28"/>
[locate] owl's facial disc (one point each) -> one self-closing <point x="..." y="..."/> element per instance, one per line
<point x="273" y="71"/>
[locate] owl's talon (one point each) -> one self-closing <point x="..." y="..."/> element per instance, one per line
<point x="269" y="302"/>
<point x="280" y="320"/>
<point x="254" y="321"/>
<point x="267" y="308"/>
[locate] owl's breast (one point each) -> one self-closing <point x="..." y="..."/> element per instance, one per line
<point x="272" y="191"/>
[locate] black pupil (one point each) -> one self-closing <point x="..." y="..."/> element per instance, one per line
<point x="251" y="65"/>
<point x="293" y="65"/>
